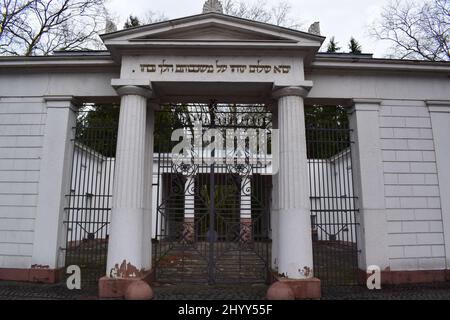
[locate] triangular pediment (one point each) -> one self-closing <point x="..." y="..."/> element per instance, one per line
<point x="213" y="32"/>
<point x="211" y="28"/>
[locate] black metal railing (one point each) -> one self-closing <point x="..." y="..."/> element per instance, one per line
<point x="333" y="202"/>
<point x="88" y="210"/>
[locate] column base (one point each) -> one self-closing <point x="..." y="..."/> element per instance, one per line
<point x="116" y="288"/>
<point x="307" y="289"/>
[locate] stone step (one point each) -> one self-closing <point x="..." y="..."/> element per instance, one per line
<point x="184" y="263"/>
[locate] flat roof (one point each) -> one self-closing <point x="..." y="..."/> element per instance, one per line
<point x="322" y="60"/>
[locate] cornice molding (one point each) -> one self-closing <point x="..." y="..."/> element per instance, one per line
<point x="378" y="65"/>
<point x="61" y="102"/>
<point x="438" y="106"/>
<point x="365" y="105"/>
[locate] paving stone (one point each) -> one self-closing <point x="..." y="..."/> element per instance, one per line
<point x="437" y="291"/>
<point x="31" y="291"/>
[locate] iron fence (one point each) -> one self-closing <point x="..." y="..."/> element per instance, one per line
<point x="333" y="201"/>
<point x="238" y="249"/>
<point x="88" y="211"/>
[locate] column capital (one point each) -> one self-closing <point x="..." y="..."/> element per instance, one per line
<point x="438" y="106"/>
<point x="297" y="91"/>
<point x="134" y="90"/>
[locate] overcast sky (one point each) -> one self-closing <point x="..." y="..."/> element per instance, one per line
<point x="342" y="18"/>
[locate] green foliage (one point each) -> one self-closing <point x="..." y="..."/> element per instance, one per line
<point x="183" y="116"/>
<point x="166" y="121"/>
<point x="322" y="117"/>
<point x="226" y="202"/>
<point x="97" y="124"/>
<point x="224" y="195"/>
<point x="132" y="21"/>
<point x="97" y="127"/>
<point x="327" y="131"/>
<point x="354" y="46"/>
<point x="333" y="46"/>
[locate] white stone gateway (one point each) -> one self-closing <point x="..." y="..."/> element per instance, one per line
<point x="399" y="112"/>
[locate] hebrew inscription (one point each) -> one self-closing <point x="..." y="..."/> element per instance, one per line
<point x="257" y="68"/>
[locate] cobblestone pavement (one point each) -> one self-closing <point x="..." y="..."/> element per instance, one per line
<point x="28" y="291"/>
<point x="33" y="291"/>
<point x="202" y="292"/>
<point x="438" y="291"/>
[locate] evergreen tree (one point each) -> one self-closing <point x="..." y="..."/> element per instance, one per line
<point x="333" y="46"/>
<point x="97" y="128"/>
<point x="354" y="46"/>
<point x="327" y="126"/>
<point x="132" y="21"/>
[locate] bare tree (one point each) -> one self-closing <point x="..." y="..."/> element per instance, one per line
<point x="153" y="17"/>
<point x="416" y="30"/>
<point x="40" y="27"/>
<point x="279" y="15"/>
<point x="12" y="12"/>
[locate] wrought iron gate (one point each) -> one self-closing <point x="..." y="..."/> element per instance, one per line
<point x="333" y="202"/>
<point x="212" y="221"/>
<point x="88" y="211"/>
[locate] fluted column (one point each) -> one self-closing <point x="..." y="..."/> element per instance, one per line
<point x="295" y="259"/>
<point x="148" y="187"/>
<point x="125" y="251"/>
<point x="274" y="210"/>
